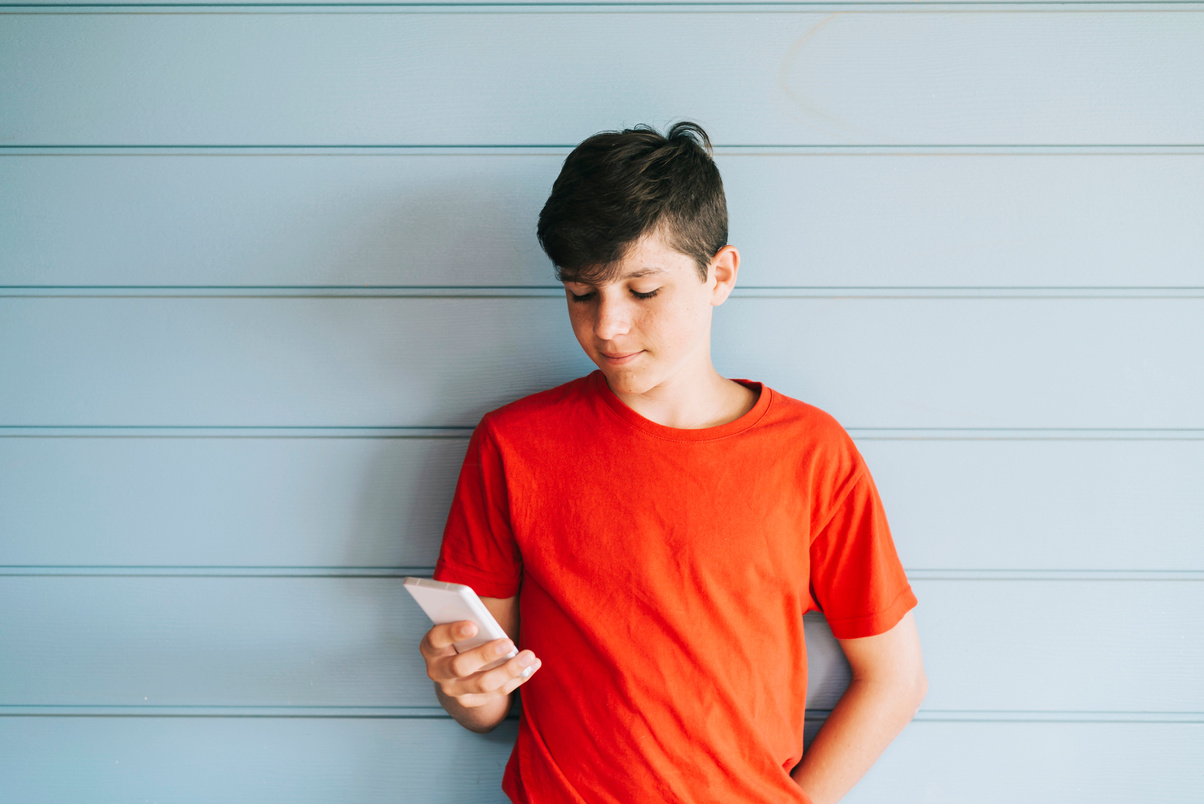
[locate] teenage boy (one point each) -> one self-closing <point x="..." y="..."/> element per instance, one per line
<point x="651" y="535"/>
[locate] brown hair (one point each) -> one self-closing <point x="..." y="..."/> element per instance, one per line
<point x="618" y="186"/>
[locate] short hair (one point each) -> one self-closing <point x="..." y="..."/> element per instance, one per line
<point x="617" y="186"/>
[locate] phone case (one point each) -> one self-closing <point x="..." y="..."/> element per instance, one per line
<point x="453" y="602"/>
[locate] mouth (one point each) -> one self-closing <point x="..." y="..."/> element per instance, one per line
<point x="619" y="358"/>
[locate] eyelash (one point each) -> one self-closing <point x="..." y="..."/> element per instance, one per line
<point x="635" y="293"/>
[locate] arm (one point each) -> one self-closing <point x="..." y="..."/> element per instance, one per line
<point x="478" y="701"/>
<point x="887" y="688"/>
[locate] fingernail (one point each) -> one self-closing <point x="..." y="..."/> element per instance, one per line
<point x="466" y="630"/>
<point x="503" y="648"/>
<point x="531" y="669"/>
<point x="526" y="659"/>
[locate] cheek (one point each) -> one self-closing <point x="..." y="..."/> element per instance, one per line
<point x="580" y="323"/>
<point x="683" y="322"/>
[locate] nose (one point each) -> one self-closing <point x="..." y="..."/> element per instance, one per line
<point x="612" y="318"/>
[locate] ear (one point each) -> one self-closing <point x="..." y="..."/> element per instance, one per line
<point x="724" y="267"/>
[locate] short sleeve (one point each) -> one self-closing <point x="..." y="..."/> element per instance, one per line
<point x="479" y="549"/>
<point x="856" y="577"/>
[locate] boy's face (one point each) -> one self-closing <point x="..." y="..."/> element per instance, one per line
<point x="649" y="328"/>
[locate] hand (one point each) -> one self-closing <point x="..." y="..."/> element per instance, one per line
<point x="468" y="678"/>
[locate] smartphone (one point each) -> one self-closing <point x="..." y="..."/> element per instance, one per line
<point x="453" y="602"/>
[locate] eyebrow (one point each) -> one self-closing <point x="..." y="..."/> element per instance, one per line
<point x="642" y="272"/>
<point x="636" y="274"/>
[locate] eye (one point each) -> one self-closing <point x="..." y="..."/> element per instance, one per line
<point x="647" y="295"/>
<point x="583" y="297"/>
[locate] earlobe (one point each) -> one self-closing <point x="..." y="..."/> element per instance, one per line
<point x="724" y="268"/>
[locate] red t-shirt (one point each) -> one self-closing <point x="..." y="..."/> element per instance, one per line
<point x="662" y="577"/>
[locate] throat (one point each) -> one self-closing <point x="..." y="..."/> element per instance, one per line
<point x="722" y="402"/>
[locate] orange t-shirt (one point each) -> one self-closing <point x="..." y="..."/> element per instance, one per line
<point x="662" y="577"/>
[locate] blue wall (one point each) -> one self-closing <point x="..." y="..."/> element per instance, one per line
<point x="262" y="268"/>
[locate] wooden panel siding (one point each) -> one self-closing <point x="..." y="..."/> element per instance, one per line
<point x="468" y="219"/>
<point x="324" y="362"/>
<point x="371" y="761"/>
<point x="956" y="501"/>
<point x="947" y="78"/>
<point x="1032" y="504"/>
<point x="262" y="269"/>
<point x="1053" y="763"/>
<point x="990" y="646"/>
<point x="301" y="644"/>
<point x="235" y="501"/>
<point x="250" y="760"/>
<point x="496" y="6"/>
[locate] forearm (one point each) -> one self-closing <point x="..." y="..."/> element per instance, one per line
<point x="868" y="716"/>
<point x="480" y="719"/>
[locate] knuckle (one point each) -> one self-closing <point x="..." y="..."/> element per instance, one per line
<point x="489" y="681"/>
<point x="460" y="665"/>
<point x="438" y="636"/>
<point x="485" y="682"/>
<point x="501" y="677"/>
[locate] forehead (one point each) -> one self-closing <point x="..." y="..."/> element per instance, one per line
<point x="647" y="256"/>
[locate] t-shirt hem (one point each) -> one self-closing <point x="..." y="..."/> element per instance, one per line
<point x="877" y="623"/>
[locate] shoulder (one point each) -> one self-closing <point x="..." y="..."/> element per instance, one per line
<point x="540" y="412"/>
<point x="815" y="440"/>
<point x="828" y="463"/>
<point x="805" y="422"/>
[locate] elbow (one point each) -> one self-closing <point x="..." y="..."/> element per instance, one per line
<point x="919" y="690"/>
<point x="480" y="728"/>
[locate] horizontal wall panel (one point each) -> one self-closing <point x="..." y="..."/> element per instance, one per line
<point x="105" y="760"/>
<point x="1097" y="646"/>
<point x="300" y="761"/>
<point x="249" y="642"/>
<point x="871" y="362"/>
<point x="283" y="362"/>
<point x="381" y="502"/>
<point x="294" y="642"/>
<point x="1037" y="78"/>
<point x="1050" y="763"/>
<point x="989" y="646"/>
<point x="1031" y="504"/>
<point x="998" y="220"/>
<point x="498" y="5"/>
<point x="249" y="502"/>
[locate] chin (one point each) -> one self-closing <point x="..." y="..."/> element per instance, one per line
<point x="618" y="380"/>
<point x="627" y="383"/>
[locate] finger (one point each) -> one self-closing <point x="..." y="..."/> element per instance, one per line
<point x="471" y="699"/>
<point x="522" y="678"/>
<point x="442" y="637"/>
<point x="508" y="676"/>
<point x="481" y="689"/>
<point x="465" y="664"/>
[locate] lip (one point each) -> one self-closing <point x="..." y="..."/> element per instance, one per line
<point x="619" y="359"/>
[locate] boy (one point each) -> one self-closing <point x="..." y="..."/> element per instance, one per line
<point x="655" y="532"/>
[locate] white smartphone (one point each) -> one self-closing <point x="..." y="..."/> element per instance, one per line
<point x="453" y="602"/>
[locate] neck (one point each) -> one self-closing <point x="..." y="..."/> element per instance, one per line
<point x="692" y="403"/>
